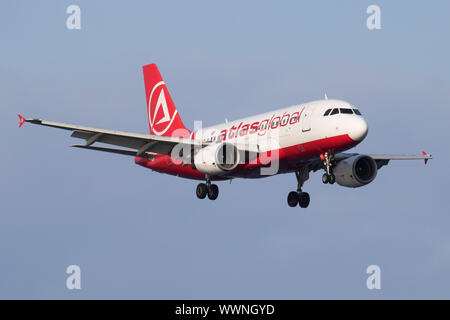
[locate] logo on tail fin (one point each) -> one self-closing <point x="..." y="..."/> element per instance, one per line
<point x="160" y="121"/>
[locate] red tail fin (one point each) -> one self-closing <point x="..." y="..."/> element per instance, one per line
<point x="163" y="117"/>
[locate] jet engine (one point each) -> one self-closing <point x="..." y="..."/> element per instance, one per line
<point x="217" y="159"/>
<point x="355" y="171"/>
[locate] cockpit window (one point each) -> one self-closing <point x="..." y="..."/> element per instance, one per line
<point x="327" y="112"/>
<point x="357" y="112"/>
<point x="346" y="111"/>
<point x="335" y="111"/>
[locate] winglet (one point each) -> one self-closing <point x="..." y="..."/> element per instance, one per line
<point x="426" y="155"/>
<point x="22" y="120"/>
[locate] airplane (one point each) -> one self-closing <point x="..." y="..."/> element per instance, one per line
<point x="299" y="139"/>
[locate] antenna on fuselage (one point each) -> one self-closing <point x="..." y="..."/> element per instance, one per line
<point x="326" y="98"/>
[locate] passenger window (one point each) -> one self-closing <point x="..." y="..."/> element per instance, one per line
<point x="357" y="112"/>
<point x="327" y="112"/>
<point x="346" y="111"/>
<point x="335" y="111"/>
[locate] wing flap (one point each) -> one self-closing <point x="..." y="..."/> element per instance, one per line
<point x="117" y="140"/>
<point x="111" y="150"/>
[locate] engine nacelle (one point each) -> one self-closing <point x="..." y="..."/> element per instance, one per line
<point x="355" y="171"/>
<point x="217" y="159"/>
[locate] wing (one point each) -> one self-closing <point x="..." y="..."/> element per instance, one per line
<point x="380" y="159"/>
<point x="383" y="159"/>
<point x="140" y="144"/>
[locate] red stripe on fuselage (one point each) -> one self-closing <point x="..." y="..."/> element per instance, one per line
<point x="290" y="159"/>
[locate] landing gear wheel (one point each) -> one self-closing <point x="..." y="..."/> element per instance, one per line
<point x="213" y="192"/>
<point x="299" y="197"/>
<point x="303" y="199"/>
<point x="292" y="199"/>
<point x="201" y="191"/>
<point x="325" y="178"/>
<point x="331" y="179"/>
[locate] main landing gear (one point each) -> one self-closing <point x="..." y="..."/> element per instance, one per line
<point x="328" y="163"/>
<point x="207" y="189"/>
<point x="299" y="197"/>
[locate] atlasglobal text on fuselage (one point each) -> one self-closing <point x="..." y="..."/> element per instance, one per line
<point x="300" y="139"/>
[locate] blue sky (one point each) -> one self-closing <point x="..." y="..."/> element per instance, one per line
<point x="138" y="234"/>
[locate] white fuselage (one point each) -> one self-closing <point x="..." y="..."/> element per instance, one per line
<point x="290" y="126"/>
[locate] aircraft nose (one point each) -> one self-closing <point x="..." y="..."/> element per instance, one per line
<point x="358" y="129"/>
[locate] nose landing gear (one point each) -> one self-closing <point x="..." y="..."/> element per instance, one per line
<point x="299" y="197"/>
<point x="328" y="163"/>
<point x="207" y="189"/>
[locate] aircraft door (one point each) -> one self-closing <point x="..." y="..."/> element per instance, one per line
<point x="305" y="120"/>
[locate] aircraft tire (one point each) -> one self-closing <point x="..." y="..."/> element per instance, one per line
<point x="292" y="199"/>
<point x="213" y="192"/>
<point x="201" y="191"/>
<point x="303" y="199"/>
